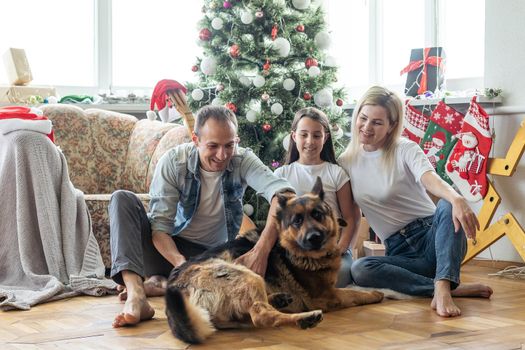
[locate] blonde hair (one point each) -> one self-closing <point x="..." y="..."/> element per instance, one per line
<point x="378" y="96"/>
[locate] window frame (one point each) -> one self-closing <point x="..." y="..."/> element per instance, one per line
<point x="104" y="66"/>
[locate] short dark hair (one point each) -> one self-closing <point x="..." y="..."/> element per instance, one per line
<point x="219" y="113"/>
<point x="328" y="152"/>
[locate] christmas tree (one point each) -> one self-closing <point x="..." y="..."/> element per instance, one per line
<point x="264" y="60"/>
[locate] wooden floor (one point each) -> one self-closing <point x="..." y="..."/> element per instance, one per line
<point x="85" y="323"/>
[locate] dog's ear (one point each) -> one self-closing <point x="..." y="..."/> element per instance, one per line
<point x="342" y="222"/>
<point x="283" y="197"/>
<point x="318" y="188"/>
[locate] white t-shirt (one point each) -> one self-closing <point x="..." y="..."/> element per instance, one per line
<point x="390" y="201"/>
<point x="208" y="225"/>
<point x="302" y="178"/>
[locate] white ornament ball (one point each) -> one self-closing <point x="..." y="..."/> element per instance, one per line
<point x="286" y="142"/>
<point x="282" y="46"/>
<point x="277" y="108"/>
<point x="335" y="109"/>
<point x="208" y="65"/>
<point x="216" y="102"/>
<point x="251" y="116"/>
<point x="246" y="17"/>
<point x="217" y="23"/>
<point x="301" y="4"/>
<point x="245" y="80"/>
<point x="314" y="71"/>
<point x="330" y="61"/>
<point x="197" y="94"/>
<point x="248" y="209"/>
<point x="323" y="98"/>
<point x="259" y="81"/>
<point x="288" y="84"/>
<point x="52" y="100"/>
<point x="322" y="40"/>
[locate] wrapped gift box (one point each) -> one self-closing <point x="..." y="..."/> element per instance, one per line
<point x="425" y="72"/>
<point x="373" y="248"/>
<point x="22" y="94"/>
<point x="17" y="67"/>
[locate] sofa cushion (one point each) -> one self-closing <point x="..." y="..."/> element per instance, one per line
<point x="142" y="145"/>
<point x="111" y="135"/>
<point x="74" y="135"/>
<point x="174" y="137"/>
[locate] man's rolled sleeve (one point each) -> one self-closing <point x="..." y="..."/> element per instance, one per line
<point x="259" y="177"/>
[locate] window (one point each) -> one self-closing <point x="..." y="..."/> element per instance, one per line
<point x="154" y="40"/>
<point x="89" y="46"/>
<point x="57" y="36"/>
<point x="393" y="28"/>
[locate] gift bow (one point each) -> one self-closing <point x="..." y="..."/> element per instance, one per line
<point x="433" y="60"/>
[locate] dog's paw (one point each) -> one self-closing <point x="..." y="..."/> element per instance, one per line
<point x="311" y="320"/>
<point x="280" y="300"/>
<point x="377" y="296"/>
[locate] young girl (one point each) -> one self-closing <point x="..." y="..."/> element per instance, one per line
<point x="311" y="154"/>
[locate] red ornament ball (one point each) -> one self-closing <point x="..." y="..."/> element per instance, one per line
<point x="339" y="102"/>
<point x="232" y="107"/>
<point x="307" y="96"/>
<point x="235" y="51"/>
<point x="267" y="65"/>
<point x="300" y="28"/>
<point x="310" y="62"/>
<point x="195" y="68"/>
<point x="267" y="127"/>
<point x="205" y="34"/>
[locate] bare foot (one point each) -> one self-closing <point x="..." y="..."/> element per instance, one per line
<point x="135" y="310"/>
<point x="472" y="290"/>
<point x="442" y="301"/>
<point x="154" y="286"/>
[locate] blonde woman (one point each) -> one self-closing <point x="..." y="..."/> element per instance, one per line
<point x="390" y="177"/>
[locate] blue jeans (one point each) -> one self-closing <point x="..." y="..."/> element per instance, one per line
<point x="425" y="251"/>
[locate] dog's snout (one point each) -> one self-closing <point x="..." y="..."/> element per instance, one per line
<point x="313" y="240"/>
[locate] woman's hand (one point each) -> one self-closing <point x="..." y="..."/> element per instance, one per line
<point x="463" y="216"/>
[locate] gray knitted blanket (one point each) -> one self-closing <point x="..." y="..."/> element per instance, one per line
<point x="47" y="248"/>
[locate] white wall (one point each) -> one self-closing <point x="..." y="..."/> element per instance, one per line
<point x="505" y="69"/>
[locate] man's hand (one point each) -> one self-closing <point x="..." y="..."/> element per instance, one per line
<point x="255" y="261"/>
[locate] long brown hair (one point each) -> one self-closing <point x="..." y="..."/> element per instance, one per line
<point x="327" y="153"/>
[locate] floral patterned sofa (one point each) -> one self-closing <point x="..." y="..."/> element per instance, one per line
<point x="107" y="151"/>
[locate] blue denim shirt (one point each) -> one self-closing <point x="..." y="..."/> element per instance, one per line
<point x="175" y="188"/>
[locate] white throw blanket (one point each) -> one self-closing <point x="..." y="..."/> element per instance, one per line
<point x="47" y="248"/>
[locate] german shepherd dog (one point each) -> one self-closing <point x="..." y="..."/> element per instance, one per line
<point x="210" y="291"/>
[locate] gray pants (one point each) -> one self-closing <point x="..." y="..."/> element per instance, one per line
<point x="131" y="246"/>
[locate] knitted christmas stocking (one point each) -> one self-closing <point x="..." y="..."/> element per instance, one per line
<point x="445" y="122"/>
<point x="467" y="163"/>
<point x="415" y="123"/>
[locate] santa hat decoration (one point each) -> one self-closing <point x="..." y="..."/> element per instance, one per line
<point x="439" y="139"/>
<point x="25" y="118"/>
<point x="160" y="98"/>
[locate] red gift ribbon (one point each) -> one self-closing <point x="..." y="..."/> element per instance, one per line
<point x="433" y="60"/>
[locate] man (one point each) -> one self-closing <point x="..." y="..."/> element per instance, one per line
<point x="196" y="203"/>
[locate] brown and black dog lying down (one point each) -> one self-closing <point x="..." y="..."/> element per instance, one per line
<point x="210" y="291"/>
